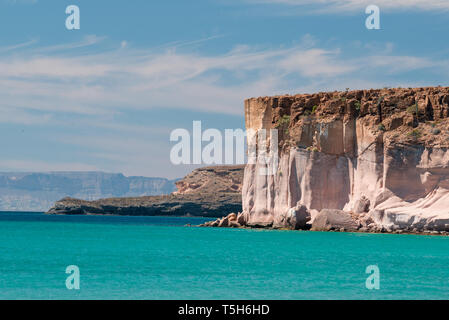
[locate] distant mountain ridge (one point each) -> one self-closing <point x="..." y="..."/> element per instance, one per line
<point x="21" y="191"/>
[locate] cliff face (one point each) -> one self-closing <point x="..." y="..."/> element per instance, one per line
<point x="38" y="191"/>
<point x="379" y="156"/>
<point x="208" y="192"/>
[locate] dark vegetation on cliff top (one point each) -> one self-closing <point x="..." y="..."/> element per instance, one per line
<point x="402" y="115"/>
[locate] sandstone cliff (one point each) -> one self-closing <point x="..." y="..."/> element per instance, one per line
<point x="208" y="192"/>
<point x="369" y="160"/>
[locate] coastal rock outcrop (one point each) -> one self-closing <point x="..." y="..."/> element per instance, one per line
<point x="232" y="220"/>
<point x="378" y="159"/>
<point x="207" y="192"/>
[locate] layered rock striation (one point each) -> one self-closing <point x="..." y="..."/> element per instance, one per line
<point x="367" y="160"/>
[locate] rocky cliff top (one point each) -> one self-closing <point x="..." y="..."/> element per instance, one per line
<point x="212" y="179"/>
<point x="413" y="116"/>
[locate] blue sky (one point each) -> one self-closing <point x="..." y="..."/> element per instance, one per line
<point x="107" y="96"/>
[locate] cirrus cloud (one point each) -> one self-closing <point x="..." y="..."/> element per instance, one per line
<point x="354" y="5"/>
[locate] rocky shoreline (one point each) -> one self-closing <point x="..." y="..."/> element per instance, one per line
<point x="326" y="221"/>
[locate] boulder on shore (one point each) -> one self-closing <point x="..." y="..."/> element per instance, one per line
<point x="333" y="219"/>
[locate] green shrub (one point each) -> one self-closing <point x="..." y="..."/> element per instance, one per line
<point x="314" y="108"/>
<point x="358" y="105"/>
<point x="413" y="109"/>
<point x="381" y="127"/>
<point x="283" y="121"/>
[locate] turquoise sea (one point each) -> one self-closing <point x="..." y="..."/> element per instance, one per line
<point x="160" y="258"/>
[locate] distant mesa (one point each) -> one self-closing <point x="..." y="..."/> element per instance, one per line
<point x="21" y="191"/>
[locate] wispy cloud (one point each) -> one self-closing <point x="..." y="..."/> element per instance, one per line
<point x="126" y="78"/>
<point x="18" y="46"/>
<point x="316" y="62"/>
<point x="353" y="5"/>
